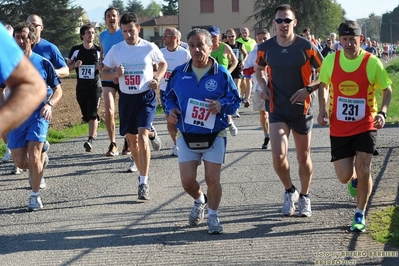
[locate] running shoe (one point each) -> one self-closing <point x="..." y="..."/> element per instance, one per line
<point x="304" y="207"/>
<point x="16" y="170"/>
<point x="155" y="141"/>
<point x="175" y="151"/>
<point x="289" y="203"/>
<point x="112" y="150"/>
<point x="197" y="213"/>
<point x="358" y="223"/>
<point x="7" y="156"/>
<point x="233" y="129"/>
<point x="126" y="149"/>
<point x="265" y="144"/>
<point x="352" y="187"/>
<point x="132" y="167"/>
<point x="42" y="182"/>
<point x="35" y="204"/>
<point x="144" y="192"/>
<point x="46" y="146"/>
<point x="214" y="226"/>
<point x="87" y="145"/>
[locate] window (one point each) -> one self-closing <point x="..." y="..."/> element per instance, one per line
<point x="235" y="5"/>
<point x="207" y="6"/>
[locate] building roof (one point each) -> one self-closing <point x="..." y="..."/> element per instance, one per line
<point x="159" y="21"/>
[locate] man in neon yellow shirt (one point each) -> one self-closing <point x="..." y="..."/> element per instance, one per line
<point x="354" y="75"/>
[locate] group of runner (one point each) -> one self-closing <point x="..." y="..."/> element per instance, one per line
<point x="284" y="82"/>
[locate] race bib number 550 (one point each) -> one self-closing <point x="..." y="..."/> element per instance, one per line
<point x="197" y="114"/>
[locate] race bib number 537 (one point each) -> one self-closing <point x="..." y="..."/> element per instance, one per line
<point x="197" y="114"/>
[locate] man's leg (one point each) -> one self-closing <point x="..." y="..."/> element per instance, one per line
<point x="365" y="183"/>
<point x="35" y="173"/>
<point x="109" y="94"/>
<point x="302" y="145"/>
<point x="212" y="178"/>
<point x="279" y="133"/>
<point x="144" y="152"/>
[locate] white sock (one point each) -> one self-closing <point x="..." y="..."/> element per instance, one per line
<point x="359" y="211"/>
<point x="35" y="194"/>
<point x="143" y="179"/>
<point x="266" y="135"/>
<point x="212" y="212"/>
<point x="201" y="199"/>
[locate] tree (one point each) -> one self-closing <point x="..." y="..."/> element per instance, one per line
<point x="136" y="7"/>
<point x="321" y="16"/>
<point x="153" y="9"/>
<point x="390" y="26"/>
<point x="171" y="8"/>
<point x="61" y="19"/>
<point x="118" y="5"/>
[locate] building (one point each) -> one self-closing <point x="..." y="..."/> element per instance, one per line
<point x="152" y="27"/>
<point x="224" y="14"/>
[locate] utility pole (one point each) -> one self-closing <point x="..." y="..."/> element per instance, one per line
<point x="390" y="30"/>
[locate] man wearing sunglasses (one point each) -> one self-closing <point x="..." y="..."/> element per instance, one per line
<point x="290" y="90"/>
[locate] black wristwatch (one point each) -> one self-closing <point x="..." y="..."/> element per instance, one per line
<point x="50" y="103"/>
<point x="309" y="89"/>
<point x="383" y="114"/>
<point x="156" y="79"/>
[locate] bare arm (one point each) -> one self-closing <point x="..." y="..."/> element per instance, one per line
<point x="261" y="77"/>
<point x="233" y="61"/>
<point x="27" y="91"/>
<point x="379" y="120"/>
<point x="62" y="72"/>
<point x="47" y="110"/>
<point x="323" y="97"/>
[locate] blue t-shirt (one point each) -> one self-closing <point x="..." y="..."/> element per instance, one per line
<point x="108" y="40"/>
<point x="49" y="51"/>
<point x="47" y="71"/>
<point x="11" y="54"/>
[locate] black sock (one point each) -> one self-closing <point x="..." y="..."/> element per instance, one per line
<point x="303" y="195"/>
<point x="291" y="190"/>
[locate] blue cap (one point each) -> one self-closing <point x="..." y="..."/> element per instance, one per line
<point x="214" y="30"/>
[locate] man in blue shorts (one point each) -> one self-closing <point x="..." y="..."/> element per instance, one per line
<point x="133" y="61"/>
<point x="27" y="87"/>
<point x="85" y="59"/>
<point x="198" y="98"/>
<point x="26" y="142"/>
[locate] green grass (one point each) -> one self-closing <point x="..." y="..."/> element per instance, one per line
<point x="384" y="225"/>
<point x="393" y="110"/>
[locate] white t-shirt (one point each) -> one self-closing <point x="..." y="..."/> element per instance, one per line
<point x="138" y="61"/>
<point x="251" y="62"/>
<point x="176" y="58"/>
<point x="337" y="46"/>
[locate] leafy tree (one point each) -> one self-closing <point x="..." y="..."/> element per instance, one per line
<point x="171" y="8"/>
<point x="153" y="9"/>
<point x="61" y="19"/>
<point x="390" y="26"/>
<point x="136" y="7"/>
<point x="118" y="5"/>
<point x="321" y="16"/>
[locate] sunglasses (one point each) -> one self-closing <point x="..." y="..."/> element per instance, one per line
<point x="231" y="36"/>
<point x="166" y="35"/>
<point x="36" y="25"/>
<point x="286" y="20"/>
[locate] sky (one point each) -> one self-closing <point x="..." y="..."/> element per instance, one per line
<point x="355" y="9"/>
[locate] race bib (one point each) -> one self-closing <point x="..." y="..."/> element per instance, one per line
<point x="197" y="114"/>
<point x="167" y="74"/>
<point x="133" y="77"/>
<point x="86" y="71"/>
<point x="350" y="109"/>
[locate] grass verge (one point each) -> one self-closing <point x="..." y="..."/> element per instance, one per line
<point x="384" y="225"/>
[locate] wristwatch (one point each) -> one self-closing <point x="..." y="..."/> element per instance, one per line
<point x="309" y="89"/>
<point x="50" y="103"/>
<point x="383" y="114"/>
<point x="156" y="79"/>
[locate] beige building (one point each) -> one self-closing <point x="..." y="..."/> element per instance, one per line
<point x="224" y="14"/>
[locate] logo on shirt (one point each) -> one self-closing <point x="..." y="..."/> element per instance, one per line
<point x="211" y="85"/>
<point x="348" y="88"/>
<point x="284" y="51"/>
<point x="186" y="77"/>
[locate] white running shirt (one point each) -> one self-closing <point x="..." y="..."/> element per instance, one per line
<point x="173" y="59"/>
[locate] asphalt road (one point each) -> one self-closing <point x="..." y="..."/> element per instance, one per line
<point x="91" y="214"/>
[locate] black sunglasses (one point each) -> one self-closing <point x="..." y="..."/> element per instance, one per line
<point x="286" y="20"/>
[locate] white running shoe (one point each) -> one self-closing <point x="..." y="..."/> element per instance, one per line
<point x="175" y="151"/>
<point x="290" y="199"/>
<point x="7" y="156"/>
<point x="132" y="167"/>
<point x="156" y="142"/>
<point x="233" y="129"/>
